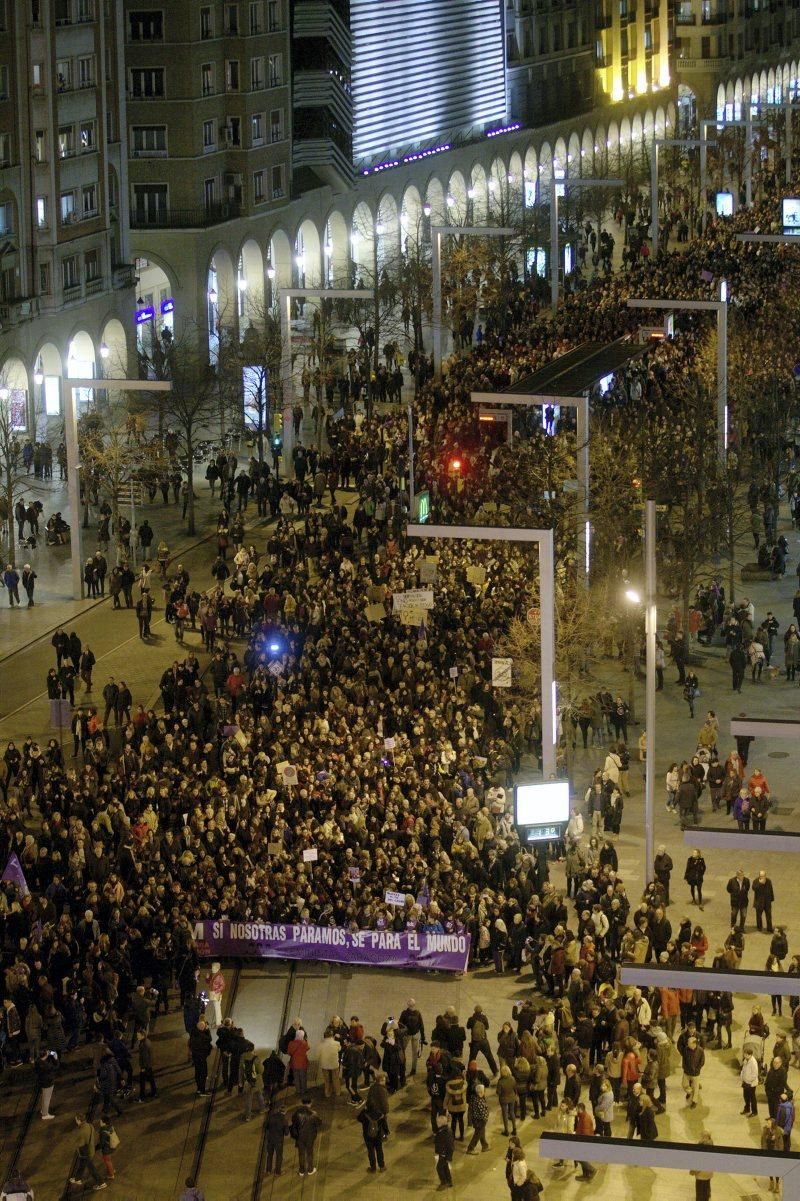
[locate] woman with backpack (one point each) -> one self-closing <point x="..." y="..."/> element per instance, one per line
<point x="109" y="1141"/>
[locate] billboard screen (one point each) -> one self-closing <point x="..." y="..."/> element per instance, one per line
<point x="541" y="804"/>
<point x="724" y="204"/>
<point x="791" y="215"/>
<point x="422" y="69"/>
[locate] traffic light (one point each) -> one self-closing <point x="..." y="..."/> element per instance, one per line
<point x="277" y="443"/>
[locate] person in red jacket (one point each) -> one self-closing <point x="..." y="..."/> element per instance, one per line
<point x="297" y="1051"/>
<point x="235" y="684"/>
<point x="584" y="1124"/>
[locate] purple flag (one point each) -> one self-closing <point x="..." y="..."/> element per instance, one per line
<point x="14" y="873"/>
<point x="706" y="277"/>
<point x="424" y="898"/>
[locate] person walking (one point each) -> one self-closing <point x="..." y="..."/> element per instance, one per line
<point x="29" y="578"/>
<point x="86" y="1148"/>
<point x="507" y="1096"/>
<point x="109" y="1141"/>
<point x="144" y="1051"/>
<point x="748" y="1075"/>
<point x="372" y="1130"/>
<point x="45" y="1069"/>
<point x="108" y="1078"/>
<point x="304" y="1128"/>
<point x="412" y="1021"/>
<point x="199" y="1050"/>
<point x="478" y="1118"/>
<point x="694" y="875"/>
<point x="443" y="1149"/>
<point x="455" y="1103"/>
<point x="763" y="897"/>
<point x="584" y="1125"/>
<point x="738" y="889"/>
<point x="251" y="1081"/>
<point x="692" y="1060"/>
<point x="478" y="1027"/>
<point x="11" y="582"/>
<point x="277" y="1129"/>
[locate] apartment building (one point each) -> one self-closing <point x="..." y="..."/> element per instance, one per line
<point x="63" y="193"/>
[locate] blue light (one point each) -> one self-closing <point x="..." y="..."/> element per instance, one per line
<point x="167" y="306"/>
<point x="275" y="648"/>
<point x="145" y="315"/>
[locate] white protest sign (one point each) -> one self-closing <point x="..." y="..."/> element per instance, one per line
<point x="388" y="744"/>
<point x="414" y="598"/>
<point x="289" y="775"/>
<point x="310" y="855"/>
<point x="398" y="899"/>
<point x="427" y="572"/>
<point x="501" y="673"/>
<point x="453" y="673"/>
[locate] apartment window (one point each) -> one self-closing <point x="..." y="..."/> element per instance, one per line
<point x="150" y="203"/>
<point x="149" y="139"/>
<point x="275" y="70"/>
<point x="67" y="207"/>
<point x="232" y="19"/>
<point x="146" y="26"/>
<point x="37" y="75"/>
<point x="207" y="79"/>
<point x="648" y="40"/>
<point x="256" y="11"/>
<point x="258" y="186"/>
<point x="3" y="24"/>
<point x="232" y="75"/>
<point x="40" y="146"/>
<point x="6" y="219"/>
<point x="63" y="12"/>
<point x="85" y="11"/>
<point x="3" y="83"/>
<point x="41" y="212"/>
<point x="70" y="272"/>
<point x="277" y="181"/>
<point x="256" y="74"/>
<point x="206" y="24"/>
<point x="66" y="141"/>
<point x="86" y="75"/>
<point x="91" y="265"/>
<point x="87" y="136"/>
<point x="257" y="129"/>
<point x="234" y="128"/>
<point x="5" y="149"/>
<point x="147" y="82"/>
<point x="209" y="135"/>
<point x="64" y="74"/>
<point x="276" y="125"/>
<point x="44" y="278"/>
<point x="273" y="15"/>
<point x="209" y="192"/>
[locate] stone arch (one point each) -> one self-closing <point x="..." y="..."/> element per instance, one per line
<point x="545" y="170"/>
<point x="308" y="255"/>
<point x="250" y="285"/>
<point x="637" y="131"/>
<point x="763" y="84"/>
<point x="770" y="86"/>
<point x="221" y="302"/>
<point x="587" y="152"/>
<point x="531" y="174"/>
<point x="625" y="133"/>
<point x="14" y="381"/>
<point x="456" y="200"/>
<point x="48" y="370"/>
<point x="411" y="219"/>
<point x="387" y="230"/>
<point x="279" y="260"/>
<point x="738" y="97"/>
<point x="81" y="362"/>
<point x="114" y="348"/>
<point x="612" y="138"/>
<point x="720" y="106"/>
<point x="362" y="235"/>
<point x="574" y="153"/>
<point x="155" y="289"/>
<point x="434" y="206"/>
<point x="514" y="182"/>
<point x="560" y="154"/>
<point x="648" y="128"/>
<point x="660" y="122"/>
<point x="336" y="251"/>
<point x="478" y="194"/>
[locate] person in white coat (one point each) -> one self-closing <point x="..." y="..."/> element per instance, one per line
<point x="328" y="1055"/>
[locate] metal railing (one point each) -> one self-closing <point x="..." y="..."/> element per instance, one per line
<point x="185" y="218"/>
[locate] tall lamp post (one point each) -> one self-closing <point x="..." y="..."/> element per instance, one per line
<point x="720" y="307"/>
<point x="438" y="232"/>
<point x="73" y="463"/>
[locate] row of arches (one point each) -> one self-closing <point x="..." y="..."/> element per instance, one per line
<point x="764" y="88"/>
<point x="35" y="393"/>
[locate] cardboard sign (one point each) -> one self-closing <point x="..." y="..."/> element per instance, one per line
<point x="414" y="598"/>
<point x="414" y="617"/>
<point x="376" y="593"/>
<point x="290" y="776"/>
<point x="476" y="575"/>
<point x="274" y="848"/>
<point x="375" y="612"/>
<point x="388" y="744"/>
<point x="354" y="873"/>
<point x="398" y="899"/>
<point x="275" y="668"/>
<point x="453" y="673"/>
<point x="310" y="855"/>
<point x="501" y="673"/>
<point x="427" y="572"/>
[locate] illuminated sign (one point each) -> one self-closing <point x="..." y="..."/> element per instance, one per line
<point x="422" y="507"/>
<point x="724" y="204"/>
<point x="145" y="315"/>
<point x="167" y="306"/>
<point x="421" y="68"/>
<point x="791" y="215"/>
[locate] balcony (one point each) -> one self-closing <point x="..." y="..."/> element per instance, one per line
<point x="716" y="18"/>
<point x="686" y="19"/>
<point x="191" y="218"/>
<point x="123" y="275"/>
<point x="701" y="64"/>
<point x="94" y="286"/>
<point x="15" y="312"/>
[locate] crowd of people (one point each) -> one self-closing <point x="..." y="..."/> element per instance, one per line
<point x="400" y="756"/>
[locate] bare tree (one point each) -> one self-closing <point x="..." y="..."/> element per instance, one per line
<point x="12" y="472"/>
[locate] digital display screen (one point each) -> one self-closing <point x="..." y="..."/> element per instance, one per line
<point x="541" y="804"/>
<point x="423" y="69"/>
<point x="724" y="204"/>
<point x="791" y="215"/>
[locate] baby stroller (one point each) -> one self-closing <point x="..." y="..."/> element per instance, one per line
<point x="757" y="1043"/>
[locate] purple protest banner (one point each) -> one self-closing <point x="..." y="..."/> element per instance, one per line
<point x="14" y="874"/>
<point x="371" y="948"/>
